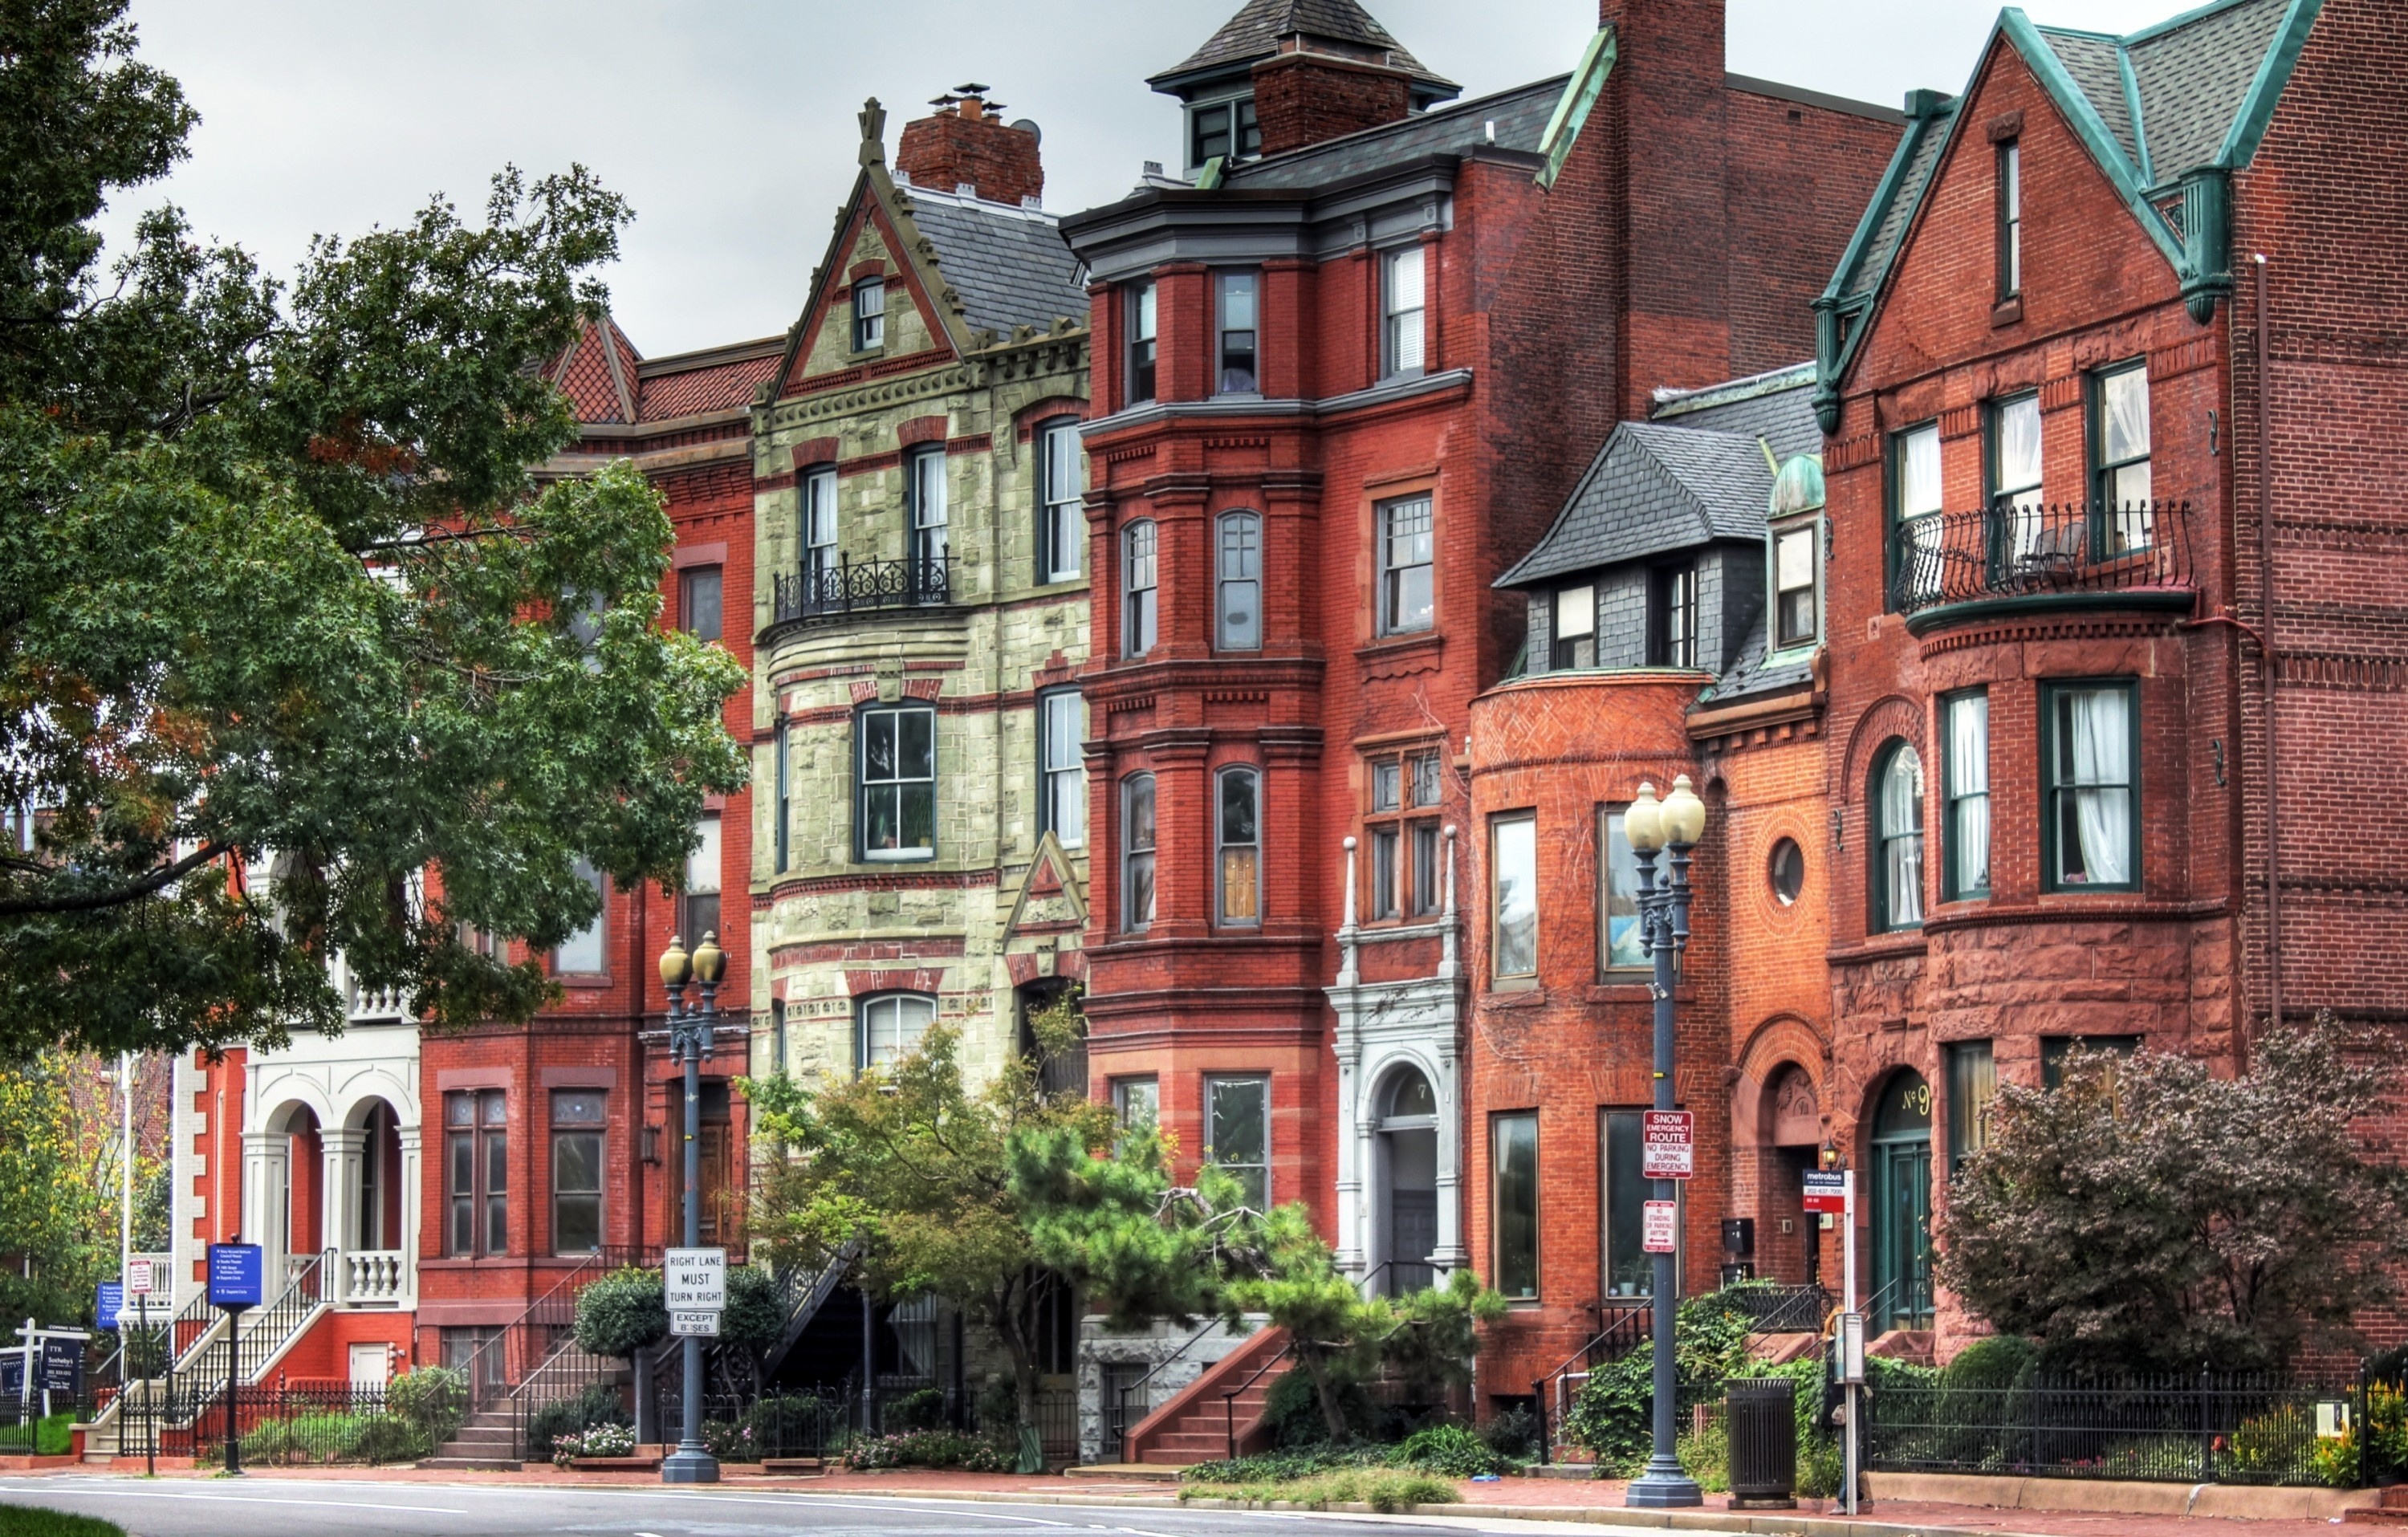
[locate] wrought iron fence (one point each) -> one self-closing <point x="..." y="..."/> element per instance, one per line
<point x="1940" y="559"/>
<point x="1774" y="1307"/>
<point x="1627" y="1326"/>
<point x="821" y="592"/>
<point x="2212" y="1428"/>
<point x="280" y="1425"/>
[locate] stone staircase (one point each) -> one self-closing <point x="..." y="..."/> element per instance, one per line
<point x="487" y="1443"/>
<point x="1196" y="1427"/>
<point x="2390" y="1511"/>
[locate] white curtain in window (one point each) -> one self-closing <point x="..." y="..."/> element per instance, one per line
<point x="2099" y="722"/>
<point x="2127" y="415"/>
<point x="1969" y="789"/>
<point x="1902" y="824"/>
<point x="1919" y="473"/>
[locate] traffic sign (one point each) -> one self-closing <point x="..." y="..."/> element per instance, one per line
<point x="137" y="1278"/>
<point x="235" y="1273"/>
<point x="703" y="1323"/>
<point x="1668" y="1145"/>
<point x="1827" y="1189"/>
<point x="1660" y="1227"/>
<point x="695" y="1279"/>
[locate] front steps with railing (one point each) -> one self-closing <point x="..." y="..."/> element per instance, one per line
<point x="262" y="1338"/>
<point x="487" y="1441"/>
<point x="1199" y="1423"/>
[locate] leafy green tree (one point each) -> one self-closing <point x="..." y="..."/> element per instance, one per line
<point x="52" y="1216"/>
<point x="750" y="1322"/>
<point x="280" y="589"/>
<point x="914" y="1164"/>
<point x="2150" y="1215"/>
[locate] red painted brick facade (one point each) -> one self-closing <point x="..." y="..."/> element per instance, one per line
<point x="963" y="144"/>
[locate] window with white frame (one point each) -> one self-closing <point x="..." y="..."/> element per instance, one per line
<point x="2014" y="474"/>
<point x="1401" y="303"/>
<point x="1062" y="527"/>
<point x="1138" y="577"/>
<point x="1574" y="643"/>
<point x="868" y="313"/>
<point x="1238" y="588"/>
<point x="1407" y="550"/>
<point x="1672" y="617"/>
<point x="1795" y="572"/>
<point x="1239" y="838"/>
<point x="2011" y="219"/>
<point x="1621" y="939"/>
<point x="1062" y="766"/>
<point x="1137" y="853"/>
<point x="896" y="813"/>
<point x="819" y="535"/>
<point x="577" y="1130"/>
<point x="698" y="904"/>
<point x="890" y="1027"/>
<point x="1513" y="878"/>
<point x="1239" y="333"/>
<point x="924" y="488"/>
<point x="582" y="954"/>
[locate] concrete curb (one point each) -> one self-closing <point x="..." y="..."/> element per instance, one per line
<point x="2125" y="1497"/>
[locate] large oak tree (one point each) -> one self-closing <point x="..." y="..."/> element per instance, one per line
<point x="281" y="588"/>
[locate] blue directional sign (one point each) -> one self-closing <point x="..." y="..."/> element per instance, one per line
<point x="112" y="1299"/>
<point x="235" y="1273"/>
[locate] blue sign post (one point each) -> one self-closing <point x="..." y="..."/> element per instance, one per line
<point x="235" y="1276"/>
<point x="112" y="1303"/>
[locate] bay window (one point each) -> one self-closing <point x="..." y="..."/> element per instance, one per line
<point x="1138" y="577"/>
<point x="894" y="816"/>
<point x="1238" y="838"/>
<point x="1965" y="754"/>
<point x="1513" y="861"/>
<point x="890" y="1028"/>
<point x="1062" y="522"/>
<point x="2091" y="826"/>
<point x="1898" y="838"/>
<point x="1137" y="853"/>
<point x="1238" y="587"/>
<point x="1062" y="767"/>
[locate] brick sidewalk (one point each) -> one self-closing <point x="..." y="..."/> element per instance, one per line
<point x="1594" y="1500"/>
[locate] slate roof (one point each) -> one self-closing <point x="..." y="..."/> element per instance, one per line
<point x="1520" y="114"/>
<point x="1009" y="264"/>
<point x="1774" y="406"/>
<point x="2205" y="84"/>
<point x="1654" y="487"/>
<point x="1255" y="33"/>
<point x="1752" y="672"/>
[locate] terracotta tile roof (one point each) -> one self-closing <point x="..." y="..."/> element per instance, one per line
<point x="597" y="373"/>
<point x="710" y="386"/>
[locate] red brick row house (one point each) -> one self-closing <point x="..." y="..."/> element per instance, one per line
<point x="1346" y="372"/>
<point x="2115" y="575"/>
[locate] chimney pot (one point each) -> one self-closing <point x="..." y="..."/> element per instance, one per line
<point x="965" y="146"/>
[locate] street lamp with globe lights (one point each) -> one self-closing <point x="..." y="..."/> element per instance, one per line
<point x="688" y="1044"/>
<point x="1654" y="828"/>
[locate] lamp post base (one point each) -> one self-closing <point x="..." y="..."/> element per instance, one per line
<point x="689" y="1464"/>
<point x="1665" y="1486"/>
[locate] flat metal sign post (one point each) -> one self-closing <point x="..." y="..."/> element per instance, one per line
<point x="235" y="1289"/>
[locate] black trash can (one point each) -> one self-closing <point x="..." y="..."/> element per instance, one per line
<point x="1761" y="1414"/>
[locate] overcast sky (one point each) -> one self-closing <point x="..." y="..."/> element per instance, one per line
<point x="729" y="123"/>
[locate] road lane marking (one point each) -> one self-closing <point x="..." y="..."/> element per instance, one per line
<point x="102" y="1493"/>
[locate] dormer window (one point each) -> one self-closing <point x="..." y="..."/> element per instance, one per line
<point x="1575" y="637"/>
<point x="1225" y="129"/>
<point x="868" y="313"/>
<point x="1794" y="570"/>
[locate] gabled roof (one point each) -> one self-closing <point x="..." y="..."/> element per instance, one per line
<point x="1653" y="489"/>
<point x="1255" y="31"/>
<point x="985" y="266"/>
<point x="1008" y="264"/>
<point x="2167" y="113"/>
<point x="611" y="385"/>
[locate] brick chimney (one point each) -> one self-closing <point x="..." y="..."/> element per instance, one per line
<point x="1308" y="91"/>
<point x="965" y="144"/>
<point x="1670" y="97"/>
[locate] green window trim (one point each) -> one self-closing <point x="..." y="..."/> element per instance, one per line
<point x="2052" y="811"/>
<point x="1955" y="798"/>
<point x="1882" y="916"/>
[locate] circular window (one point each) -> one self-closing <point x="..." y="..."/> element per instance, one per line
<point x="1787" y="871"/>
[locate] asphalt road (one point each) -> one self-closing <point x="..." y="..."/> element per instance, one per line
<point x="292" y="1508"/>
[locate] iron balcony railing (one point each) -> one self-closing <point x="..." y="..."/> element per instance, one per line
<point x="2033" y="550"/>
<point x="850" y="587"/>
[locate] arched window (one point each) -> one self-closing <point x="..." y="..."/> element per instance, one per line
<point x="1898" y="838"/>
<point x="895" y="813"/>
<point x="1410" y="1099"/>
<point x="1137" y="588"/>
<point x="1239" y="586"/>
<point x="1238" y="834"/>
<point x="888" y="1027"/>
<point x="1137" y="853"/>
